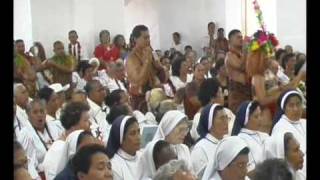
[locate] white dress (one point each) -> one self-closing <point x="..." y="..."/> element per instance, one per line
<point x="297" y="128"/>
<point x="183" y="153"/>
<point x="20" y="120"/>
<point x="202" y="152"/>
<point x="124" y="165"/>
<point x="256" y="142"/>
<point x="177" y="83"/>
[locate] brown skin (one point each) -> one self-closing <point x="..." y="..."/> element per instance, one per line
<point x="177" y="135"/>
<point x="53" y="105"/>
<point x="78" y="97"/>
<point x="84" y="122"/>
<point x="295" y="155"/>
<point x="73" y="37"/>
<point x="20" y="158"/>
<point x="20" y="48"/>
<point x="100" y="168"/>
<point x="184" y="71"/>
<point x="237" y="170"/>
<point x="22" y="174"/>
<point x="59" y="51"/>
<point x="254" y="122"/>
<point x="124" y="98"/>
<point x="183" y="175"/>
<point x="289" y="70"/>
<point x="22" y="97"/>
<point x="207" y="65"/>
<point x="98" y="94"/>
<point x="105" y="39"/>
<point x="176" y="39"/>
<point x="131" y="141"/>
<point x="199" y="73"/>
<point x="219" y="99"/>
<point x="220" y="125"/>
<point x="293" y="109"/>
<point x="37" y="116"/>
<point x="164" y="156"/>
<point x="211" y="29"/>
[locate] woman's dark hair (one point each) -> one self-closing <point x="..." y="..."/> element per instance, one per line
<point x="116" y="111"/>
<point x="272" y="169"/>
<point x="280" y="111"/>
<point x="241" y="114"/>
<point x="114" y="97"/>
<point x="158" y="147"/>
<point x="81" y="137"/>
<point x="114" y="137"/>
<point x="81" y="162"/>
<point x="103" y="32"/>
<point x="81" y="65"/>
<point x="220" y="29"/>
<point x="278" y="54"/>
<point x="42" y="53"/>
<point x="208" y="90"/>
<point x="84" y="67"/>
<point x="176" y="65"/>
<point x="298" y="66"/>
<point x="71" y="114"/>
<point x="202" y="128"/>
<point x="45" y="93"/>
<point x="176" y="34"/>
<point x="136" y="32"/>
<point x="286" y="138"/>
<point x="116" y="39"/>
<point x="211" y="23"/>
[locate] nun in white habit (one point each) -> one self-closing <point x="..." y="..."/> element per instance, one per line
<point x="247" y="126"/>
<point x="288" y="119"/>
<point x="212" y="127"/>
<point x="123" y="146"/>
<point x="231" y="154"/>
<point x="37" y="138"/>
<point x="173" y="128"/>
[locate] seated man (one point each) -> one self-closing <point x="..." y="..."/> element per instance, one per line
<point x="116" y="76"/>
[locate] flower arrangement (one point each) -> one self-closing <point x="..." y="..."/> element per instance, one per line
<point x="261" y="40"/>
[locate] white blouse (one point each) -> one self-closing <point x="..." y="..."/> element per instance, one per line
<point x="124" y="165"/>
<point x="177" y="83"/>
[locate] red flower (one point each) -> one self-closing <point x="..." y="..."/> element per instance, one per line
<point x="273" y="40"/>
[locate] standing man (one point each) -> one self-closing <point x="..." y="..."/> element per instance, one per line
<point x="239" y="84"/>
<point x="208" y="43"/>
<point x="144" y="71"/>
<point x="74" y="47"/>
<point x="221" y="43"/>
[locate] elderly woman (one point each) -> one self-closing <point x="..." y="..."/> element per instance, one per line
<point x="173" y="128"/>
<point x="37" y="138"/>
<point x="246" y="126"/>
<point x="212" y="127"/>
<point x="156" y="154"/>
<point x="175" y="170"/>
<point x="123" y="146"/>
<point x="289" y="119"/>
<point x="229" y="161"/>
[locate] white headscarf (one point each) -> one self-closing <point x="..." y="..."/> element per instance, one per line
<point x="146" y="166"/>
<point x="168" y="122"/>
<point x="70" y="149"/>
<point x="226" y="151"/>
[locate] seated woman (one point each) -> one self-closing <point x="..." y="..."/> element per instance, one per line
<point x="119" y="49"/>
<point x="173" y="128"/>
<point x="156" y="154"/>
<point x="212" y="127"/>
<point x="289" y="119"/>
<point x="123" y="146"/>
<point x="37" y="139"/>
<point x="246" y="126"/>
<point x="229" y="161"/>
<point x="103" y="48"/>
<point x="86" y="74"/>
<point x="180" y="76"/>
<point x="74" y="142"/>
<point x="265" y="86"/>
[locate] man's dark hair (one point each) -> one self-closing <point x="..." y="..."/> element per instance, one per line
<point x="188" y="46"/>
<point x="116" y="111"/>
<point x="278" y="53"/>
<point x="208" y="90"/>
<point x="81" y="137"/>
<point x="272" y="169"/>
<point x="204" y="58"/>
<point x="211" y="23"/>
<point x="71" y="114"/>
<point x="176" y="34"/>
<point x="220" y="30"/>
<point x="158" y="147"/>
<point x="19" y="41"/>
<point x="114" y="97"/>
<point x="84" y="66"/>
<point x="136" y="32"/>
<point x="219" y="64"/>
<point x="56" y="43"/>
<point x="45" y="93"/>
<point x="90" y="86"/>
<point x="73" y="31"/>
<point x="81" y="161"/>
<point x="286" y="58"/>
<point x="233" y="32"/>
<point x="176" y="65"/>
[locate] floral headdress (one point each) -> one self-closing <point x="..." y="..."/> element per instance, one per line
<point x="261" y="40"/>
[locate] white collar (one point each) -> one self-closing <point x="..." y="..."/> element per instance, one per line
<point x="290" y="121"/>
<point x="126" y="156"/>
<point x="49" y="118"/>
<point x="212" y="138"/>
<point x="95" y="106"/>
<point x="248" y="131"/>
<point x="19" y="109"/>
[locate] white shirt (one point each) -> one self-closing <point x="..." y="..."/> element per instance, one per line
<point x="177" y="83"/>
<point x="41" y="81"/>
<point x="178" y="47"/>
<point x="83" y="52"/>
<point x="78" y="81"/>
<point x="114" y="84"/>
<point x="56" y="123"/>
<point x="124" y="165"/>
<point x="20" y="120"/>
<point x="202" y="152"/>
<point x="297" y="128"/>
<point x="256" y="142"/>
<point x="32" y="144"/>
<point x="102" y="77"/>
<point x="183" y="153"/>
<point x="98" y="120"/>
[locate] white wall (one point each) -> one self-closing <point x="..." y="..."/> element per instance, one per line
<point x="291" y="23"/>
<point x="52" y="20"/>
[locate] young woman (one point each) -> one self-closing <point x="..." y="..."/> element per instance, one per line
<point x="180" y="76"/>
<point x="212" y="127"/>
<point x="123" y="146"/>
